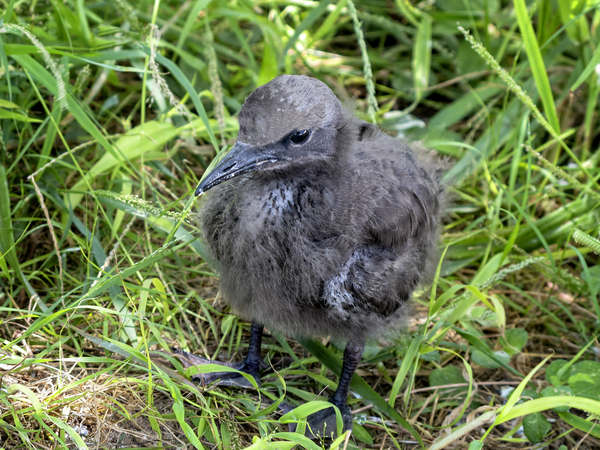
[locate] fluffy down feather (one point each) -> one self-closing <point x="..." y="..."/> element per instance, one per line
<point x="334" y="238"/>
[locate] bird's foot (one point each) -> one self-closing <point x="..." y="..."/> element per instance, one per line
<point x="225" y="378"/>
<point x="323" y="423"/>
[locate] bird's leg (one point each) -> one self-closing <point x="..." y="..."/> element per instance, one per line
<point x="251" y="364"/>
<point x="352" y="355"/>
<point x="323" y="423"/>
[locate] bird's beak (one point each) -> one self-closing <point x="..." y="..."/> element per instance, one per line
<point x="241" y="159"/>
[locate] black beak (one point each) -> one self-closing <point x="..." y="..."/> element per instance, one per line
<point x="241" y="159"/>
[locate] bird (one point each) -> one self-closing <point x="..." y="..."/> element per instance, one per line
<point x="321" y="224"/>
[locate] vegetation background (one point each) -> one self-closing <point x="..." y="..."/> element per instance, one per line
<point x="111" y="111"/>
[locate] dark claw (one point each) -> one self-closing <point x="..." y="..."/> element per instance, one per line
<point x="322" y="424"/>
<point x="219" y="378"/>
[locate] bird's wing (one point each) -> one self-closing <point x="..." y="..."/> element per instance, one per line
<point x="399" y="236"/>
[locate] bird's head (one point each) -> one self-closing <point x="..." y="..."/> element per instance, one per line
<point x="290" y="121"/>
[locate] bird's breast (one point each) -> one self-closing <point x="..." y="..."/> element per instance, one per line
<point x="283" y="209"/>
<point x="279" y="200"/>
<point x="279" y="226"/>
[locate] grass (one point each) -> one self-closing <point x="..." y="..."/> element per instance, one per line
<point x="111" y="112"/>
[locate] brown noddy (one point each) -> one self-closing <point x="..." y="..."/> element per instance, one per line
<point x="321" y="224"/>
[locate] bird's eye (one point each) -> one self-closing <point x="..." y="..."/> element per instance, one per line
<point x="299" y="137"/>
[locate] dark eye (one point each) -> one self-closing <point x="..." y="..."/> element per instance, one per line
<point x="299" y="137"/>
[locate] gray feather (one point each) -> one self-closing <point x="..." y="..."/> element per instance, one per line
<point x="333" y="237"/>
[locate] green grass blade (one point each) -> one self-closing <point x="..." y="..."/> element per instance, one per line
<point x="580" y="423"/>
<point x="546" y="403"/>
<point x="7" y="242"/>
<point x="333" y="363"/>
<point x="190" y="20"/>
<point x="146" y="140"/>
<point x="108" y="282"/>
<point x="41" y="75"/>
<point x="68" y="429"/>
<point x="537" y="64"/>
<point x="6" y="18"/>
<point x="589" y="69"/>
<point x="304" y="25"/>
<point x="421" y="60"/>
<point x="187" y="85"/>
<point x="411" y="353"/>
